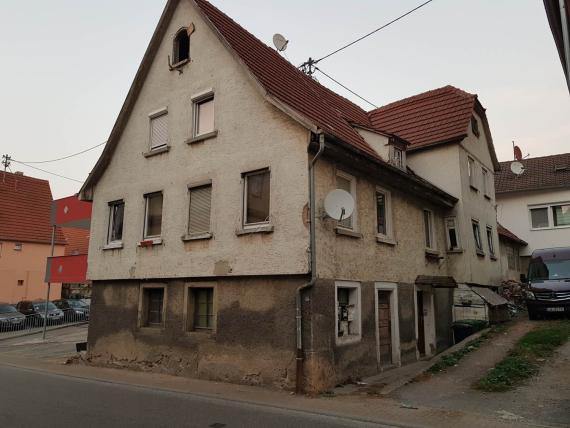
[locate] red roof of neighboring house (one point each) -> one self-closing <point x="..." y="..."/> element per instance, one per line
<point x="25" y="210"/>
<point x="436" y="116"/>
<point x="546" y="172"/>
<point x="508" y="235"/>
<point x="77" y="241"/>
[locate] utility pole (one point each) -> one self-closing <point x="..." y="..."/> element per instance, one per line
<point x="6" y="160"/>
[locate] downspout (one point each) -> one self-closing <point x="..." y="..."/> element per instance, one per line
<point x="298" y="302"/>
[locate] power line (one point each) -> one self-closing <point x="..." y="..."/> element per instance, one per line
<point x="345" y="87"/>
<point x="65" y="157"/>
<point x="47" y="172"/>
<point x="311" y="62"/>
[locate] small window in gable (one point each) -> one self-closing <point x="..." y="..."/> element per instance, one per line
<point x="474" y="126"/>
<point x="398" y="157"/>
<point x="181" y="48"/>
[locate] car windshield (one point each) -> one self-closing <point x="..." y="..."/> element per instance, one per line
<point x="542" y="270"/>
<point x="76" y="303"/>
<point x="42" y="306"/>
<point x="7" y="309"/>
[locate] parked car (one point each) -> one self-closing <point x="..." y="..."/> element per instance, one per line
<point x="10" y="318"/>
<point x="35" y="310"/>
<point x="548" y="282"/>
<point x="73" y="309"/>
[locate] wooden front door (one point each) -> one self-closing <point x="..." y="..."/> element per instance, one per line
<point x="421" y="329"/>
<point x="385" y="328"/>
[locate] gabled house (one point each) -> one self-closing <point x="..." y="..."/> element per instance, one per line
<point x="25" y="238"/>
<point x="211" y="254"/>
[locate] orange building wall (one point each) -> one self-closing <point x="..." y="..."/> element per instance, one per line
<point x="28" y="265"/>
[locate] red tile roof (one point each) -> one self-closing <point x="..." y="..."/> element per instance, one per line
<point x="284" y="82"/>
<point x="25" y="210"/>
<point x="547" y="172"/>
<point x="436" y="116"/>
<point x="508" y="235"/>
<point x="77" y="241"/>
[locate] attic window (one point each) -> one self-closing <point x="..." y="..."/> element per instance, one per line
<point x="181" y="48"/>
<point x="475" y="126"/>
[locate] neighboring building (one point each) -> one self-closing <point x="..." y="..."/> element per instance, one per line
<point x="77" y="244"/>
<point x="25" y="238"/>
<point x="536" y="204"/>
<point x="200" y="239"/>
<point x="510" y="248"/>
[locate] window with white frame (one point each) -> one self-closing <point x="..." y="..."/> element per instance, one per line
<point x="383" y="213"/>
<point x="485" y="176"/>
<point x="203" y="115"/>
<point x="347" y="183"/>
<point x="490" y="241"/>
<point x="471" y="172"/>
<point x="398" y="157"/>
<point x="452" y="232"/>
<point x="159" y="130"/>
<point x="153" y="215"/>
<point x="348" y="311"/>
<point x="116" y="217"/>
<point x="550" y="216"/>
<point x="477" y="236"/>
<point x="256" y="197"/>
<point x="429" y="230"/>
<point x="200" y="209"/>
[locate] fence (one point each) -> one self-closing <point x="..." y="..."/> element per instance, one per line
<point x="16" y="324"/>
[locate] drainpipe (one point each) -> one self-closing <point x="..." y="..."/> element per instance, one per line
<point x="312" y="219"/>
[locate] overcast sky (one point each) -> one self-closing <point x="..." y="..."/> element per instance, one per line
<point x="66" y="66"/>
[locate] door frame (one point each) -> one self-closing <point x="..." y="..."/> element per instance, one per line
<point x="428" y="319"/>
<point x="392" y="287"/>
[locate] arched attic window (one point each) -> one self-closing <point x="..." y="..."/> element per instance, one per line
<point x="181" y="48"/>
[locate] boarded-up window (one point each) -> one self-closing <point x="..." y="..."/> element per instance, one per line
<point x="204" y="116"/>
<point x="153" y="220"/>
<point x="200" y="207"/>
<point x="159" y="131"/>
<point x="256" y="197"/>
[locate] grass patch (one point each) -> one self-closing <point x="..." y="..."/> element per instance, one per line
<point x="452" y="359"/>
<point x="524" y="360"/>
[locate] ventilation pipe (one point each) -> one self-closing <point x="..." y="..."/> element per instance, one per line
<point x="313" y="265"/>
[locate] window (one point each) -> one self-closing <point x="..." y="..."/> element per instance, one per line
<point x="485" y="175"/>
<point x="200" y="206"/>
<point x="471" y="172"/>
<point x="256" y="198"/>
<point x="203" y="299"/>
<point x="152" y="307"/>
<point x="490" y="242"/>
<point x="452" y="234"/>
<point x="204" y="115"/>
<point x="474" y="126"/>
<point x="550" y="216"/>
<point x="18" y="246"/>
<point x="181" y="47"/>
<point x="383" y="213"/>
<point x="477" y="237"/>
<point x="348" y="311"/>
<point x="561" y="215"/>
<point x="539" y="218"/>
<point x="116" y="216"/>
<point x="153" y="215"/>
<point x="159" y="130"/>
<point x="429" y="230"/>
<point x="398" y="157"/>
<point x="347" y="182"/>
<point x="20" y="282"/>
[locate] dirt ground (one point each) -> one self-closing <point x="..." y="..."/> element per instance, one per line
<point x="544" y="400"/>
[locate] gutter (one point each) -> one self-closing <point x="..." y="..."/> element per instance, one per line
<point x="312" y="246"/>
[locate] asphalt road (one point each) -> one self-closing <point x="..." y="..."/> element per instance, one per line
<point x="40" y="399"/>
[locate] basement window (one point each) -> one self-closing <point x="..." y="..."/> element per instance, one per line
<point x="203" y="300"/>
<point x="152" y="308"/>
<point x="181" y="47"/>
<point x="347" y="299"/>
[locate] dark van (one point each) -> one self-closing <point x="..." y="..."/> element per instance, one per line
<point x="549" y="282"/>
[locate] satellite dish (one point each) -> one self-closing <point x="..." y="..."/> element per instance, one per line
<point x="339" y="204"/>
<point x="280" y="42"/>
<point x="517" y="168"/>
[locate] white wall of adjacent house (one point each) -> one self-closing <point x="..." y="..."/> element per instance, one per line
<point x="251" y="134"/>
<point x="447" y="166"/>
<point x="514" y="212"/>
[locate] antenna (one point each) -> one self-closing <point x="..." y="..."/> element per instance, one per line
<point x="280" y="42"/>
<point x="517" y="168"/>
<point x="339" y="204"/>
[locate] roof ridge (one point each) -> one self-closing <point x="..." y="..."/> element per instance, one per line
<point x="538" y="157"/>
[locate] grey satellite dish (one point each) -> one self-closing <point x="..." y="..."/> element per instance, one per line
<point x="339" y="204"/>
<point x="517" y="168"/>
<point x="280" y="42"/>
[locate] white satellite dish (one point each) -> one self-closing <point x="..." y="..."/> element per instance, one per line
<point x="339" y="204"/>
<point x="280" y="42"/>
<point x="517" y="168"/>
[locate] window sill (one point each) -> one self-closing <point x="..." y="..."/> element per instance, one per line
<point x="494" y="258"/>
<point x="113" y="246"/>
<point x="179" y="64"/>
<point x="480" y="253"/>
<point x="385" y="240"/>
<point x="432" y="254"/>
<point x="455" y="251"/>
<point x="347" y="232"/>
<point x="473" y="188"/>
<point x="150" y="242"/>
<point x="267" y="228"/>
<point x="197" y="237"/>
<point x="202" y="137"/>
<point x="157" y="151"/>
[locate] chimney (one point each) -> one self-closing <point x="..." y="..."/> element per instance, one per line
<point x="19" y="173"/>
